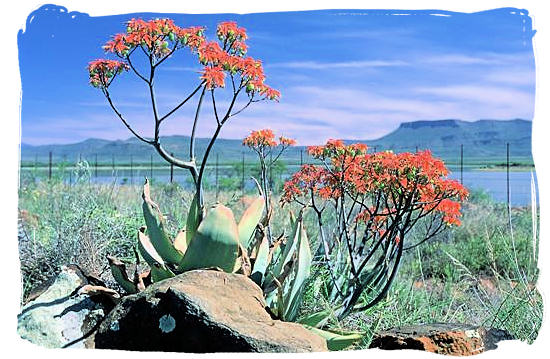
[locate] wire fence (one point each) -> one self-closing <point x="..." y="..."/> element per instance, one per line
<point x="506" y="177"/>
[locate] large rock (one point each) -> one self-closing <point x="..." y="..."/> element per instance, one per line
<point x="202" y="311"/>
<point x="450" y="339"/>
<point x="65" y="310"/>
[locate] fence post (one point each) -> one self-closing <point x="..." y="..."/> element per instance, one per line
<point x="113" y="161"/>
<point x="64" y="166"/>
<point x="461" y="164"/>
<point x="50" y="166"/>
<point x="508" y="199"/>
<point x="301" y="157"/>
<point x="151" y="174"/>
<point x="172" y="169"/>
<point x="217" y="184"/>
<point x="96" y="165"/>
<point x="131" y="169"/>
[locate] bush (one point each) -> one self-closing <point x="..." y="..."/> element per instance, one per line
<point x="78" y="224"/>
<point x="484" y="243"/>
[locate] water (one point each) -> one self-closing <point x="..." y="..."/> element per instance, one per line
<point x="492" y="182"/>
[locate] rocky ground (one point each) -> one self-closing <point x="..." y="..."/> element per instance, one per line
<point x="184" y="313"/>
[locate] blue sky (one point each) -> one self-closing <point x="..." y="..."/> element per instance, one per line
<point x="354" y="74"/>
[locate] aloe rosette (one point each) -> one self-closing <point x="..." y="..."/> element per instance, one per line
<point x="218" y="241"/>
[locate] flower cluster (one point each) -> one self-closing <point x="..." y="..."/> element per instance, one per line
<point x="103" y="71"/>
<point x="229" y="33"/>
<point x="337" y="149"/>
<point x="450" y="210"/>
<point x="310" y="180"/>
<point x="266" y="138"/>
<point x="260" y="138"/>
<point x="159" y="38"/>
<point x="213" y="77"/>
<point x="349" y="169"/>
<point x="285" y="141"/>
<point x="211" y="55"/>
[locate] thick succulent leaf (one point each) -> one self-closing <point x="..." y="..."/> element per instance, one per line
<point x="250" y="219"/>
<point x="292" y="219"/>
<point x="261" y="263"/>
<point x="317" y="319"/>
<point x="118" y="269"/>
<point x="274" y="289"/>
<point x="159" y="271"/>
<point x="337" y="341"/>
<point x="273" y="260"/>
<point x="193" y="218"/>
<point x="275" y="251"/>
<point x="216" y="242"/>
<point x="147" y="250"/>
<point x="156" y="229"/>
<point x="288" y="251"/>
<point x="180" y="242"/>
<point x="293" y="298"/>
<point x="271" y="283"/>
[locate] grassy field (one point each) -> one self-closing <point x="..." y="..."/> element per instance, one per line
<point x="483" y="272"/>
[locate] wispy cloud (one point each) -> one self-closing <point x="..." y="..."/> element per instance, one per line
<point x="459" y="59"/>
<point x="474" y="59"/>
<point x="313" y="65"/>
<point x="483" y="94"/>
<point x="354" y="77"/>
<point x="314" y="114"/>
<point x="511" y="76"/>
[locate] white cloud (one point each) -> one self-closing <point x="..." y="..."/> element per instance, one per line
<point x="511" y="76"/>
<point x="485" y="58"/>
<point x="314" y="114"/>
<point x="460" y="59"/>
<point x="313" y="65"/>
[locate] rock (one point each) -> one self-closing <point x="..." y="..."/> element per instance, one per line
<point x="64" y="310"/>
<point x="202" y="311"/>
<point x="450" y="339"/>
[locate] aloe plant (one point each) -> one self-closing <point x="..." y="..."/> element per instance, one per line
<point x="218" y="241"/>
<point x="215" y="243"/>
<point x="215" y="240"/>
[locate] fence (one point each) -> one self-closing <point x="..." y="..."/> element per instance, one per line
<point x="233" y="175"/>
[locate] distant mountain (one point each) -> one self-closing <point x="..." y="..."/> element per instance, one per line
<point x="480" y="139"/>
<point x="483" y="139"/>
<point x="132" y="149"/>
